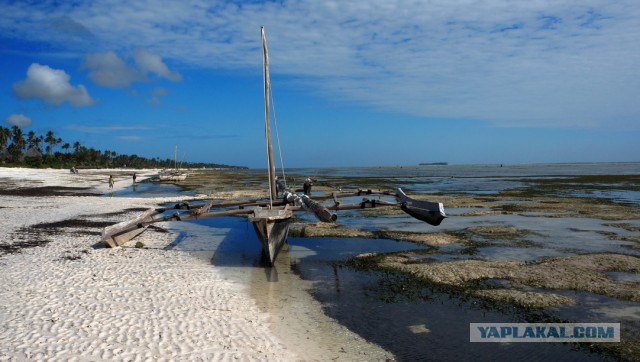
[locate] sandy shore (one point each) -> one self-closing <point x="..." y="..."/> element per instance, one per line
<point x="64" y="297"/>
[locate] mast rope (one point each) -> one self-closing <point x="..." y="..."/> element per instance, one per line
<point x="275" y="124"/>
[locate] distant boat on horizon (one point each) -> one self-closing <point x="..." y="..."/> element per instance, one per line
<point x="434" y="164"/>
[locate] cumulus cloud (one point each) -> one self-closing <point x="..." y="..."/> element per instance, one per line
<point x="52" y="87"/>
<point x="19" y="120"/>
<point x="109" y="70"/>
<point x="151" y="63"/>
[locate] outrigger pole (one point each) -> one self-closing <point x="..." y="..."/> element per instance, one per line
<point x="118" y="234"/>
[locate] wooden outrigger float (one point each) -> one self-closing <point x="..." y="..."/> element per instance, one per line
<point x="271" y="218"/>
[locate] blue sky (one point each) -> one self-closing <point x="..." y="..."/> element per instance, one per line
<point x="355" y="83"/>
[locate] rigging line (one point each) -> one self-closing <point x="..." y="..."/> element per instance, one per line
<point x="275" y="124"/>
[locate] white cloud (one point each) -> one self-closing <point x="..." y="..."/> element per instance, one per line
<point x="151" y="63"/>
<point x="109" y="70"/>
<point x="52" y="87"/>
<point x="566" y="63"/>
<point x="19" y="120"/>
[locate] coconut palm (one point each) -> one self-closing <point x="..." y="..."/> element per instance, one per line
<point x="32" y="139"/>
<point x="5" y="136"/>
<point x="51" y="140"/>
<point x="17" y="142"/>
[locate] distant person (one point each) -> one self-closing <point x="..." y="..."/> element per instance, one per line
<point x="111" y="181"/>
<point x="307" y="186"/>
<point x="134" y="177"/>
<point x="280" y="186"/>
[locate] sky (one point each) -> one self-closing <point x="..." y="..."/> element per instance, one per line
<point x="355" y="83"/>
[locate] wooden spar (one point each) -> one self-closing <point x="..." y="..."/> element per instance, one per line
<point x="278" y="202"/>
<point x="118" y="234"/>
<point x="272" y="224"/>
<point x="175" y="157"/>
<point x="203" y="210"/>
<point x="267" y="124"/>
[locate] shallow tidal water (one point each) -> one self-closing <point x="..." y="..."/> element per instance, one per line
<point x="309" y="294"/>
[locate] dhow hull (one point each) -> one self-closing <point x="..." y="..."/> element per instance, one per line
<point x="272" y="229"/>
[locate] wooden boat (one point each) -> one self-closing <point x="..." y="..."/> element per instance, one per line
<point x="429" y="212"/>
<point x="271" y="225"/>
<point x="272" y="229"/>
<point x="172" y="176"/>
<point x="175" y="174"/>
<point x="271" y="218"/>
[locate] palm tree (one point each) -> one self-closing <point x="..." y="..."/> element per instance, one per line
<point x="51" y="140"/>
<point x="5" y="135"/>
<point x="76" y="146"/>
<point x="66" y="147"/>
<point x="17" y="144"/>
<point x="31" y="139"/>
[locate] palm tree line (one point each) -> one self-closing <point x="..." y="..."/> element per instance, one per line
<point x="16" y="149"/>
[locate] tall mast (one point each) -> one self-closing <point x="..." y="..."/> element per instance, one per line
<point x="175" y="157"/>
<point x="267" y="126"/>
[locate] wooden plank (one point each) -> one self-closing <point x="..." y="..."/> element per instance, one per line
<point x="118" y="234"/>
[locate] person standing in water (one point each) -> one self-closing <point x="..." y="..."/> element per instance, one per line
<point x="307" y="186"/>
<point x="134" y="177"/>
<point x="111" y="181"/>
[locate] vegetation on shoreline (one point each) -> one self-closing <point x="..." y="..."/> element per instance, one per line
<point x="49" y="151"/>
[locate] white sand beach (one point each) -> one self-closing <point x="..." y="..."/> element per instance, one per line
<point x="72" y="299"/>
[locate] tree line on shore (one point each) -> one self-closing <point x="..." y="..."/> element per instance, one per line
<point x="31" y="150"/>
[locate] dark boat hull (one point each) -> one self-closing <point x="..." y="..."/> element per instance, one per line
<point x="429" y="212"/>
